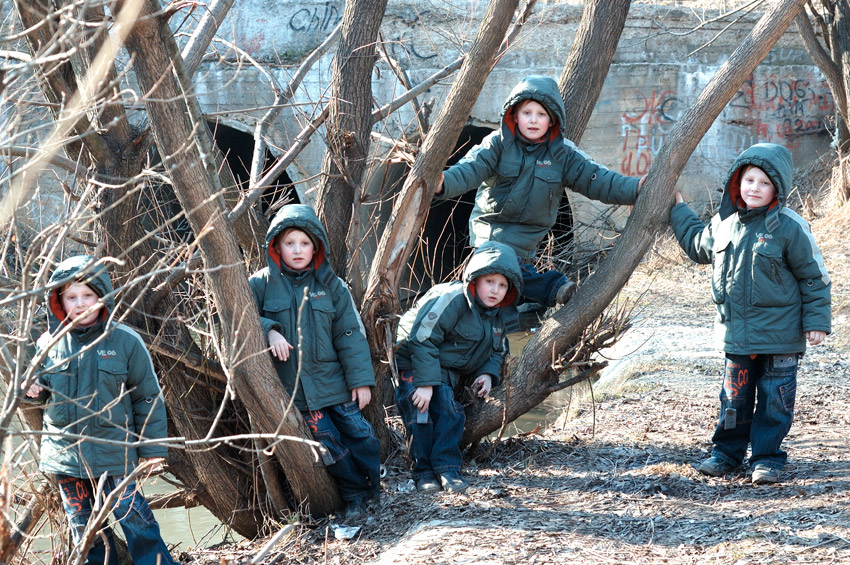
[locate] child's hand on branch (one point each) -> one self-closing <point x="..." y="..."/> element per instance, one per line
<point x="361" y="395"/>
<point x="482" y="385"/>
<point x="815" y="337"/>
<point x="279" y="346"/>
<point x="678" y="197"/>
<point x="422" y="397"/>
<point x="439" y="188"/>
<point x="34" y="390"/>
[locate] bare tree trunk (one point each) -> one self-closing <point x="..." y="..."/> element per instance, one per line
<point x="349" y="124"/>
<point x="833" y="61"/>
<point x="114" y="153"/>
<point x="535" y="375"/>
<point x="587" y="65"/>
<point x="842" y="25"/>
<point x="380" y="303"/>
<point x="159" y="71"/>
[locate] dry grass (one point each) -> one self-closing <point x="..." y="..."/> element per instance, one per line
<point x="616" y="484"/>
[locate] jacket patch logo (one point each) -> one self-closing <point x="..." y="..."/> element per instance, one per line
<point x="544" y="163"/>
<point x="318" y="294"/>
<point x="106" y="353"/>
<point x="498" y="331"/>
<point x="764" y="236"/>
<point x="432" y="316"/>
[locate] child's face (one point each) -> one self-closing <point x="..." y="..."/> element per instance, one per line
<point x="296" y="249"/>
<point x="757" y="189"/>
<point x="532" y="120"/>
<point x="76" y="299"/>
<point x="491" y="289"/>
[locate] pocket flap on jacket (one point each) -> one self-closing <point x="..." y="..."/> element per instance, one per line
<point x="275" y="305"/>
<point x="112" y="366"/>
<point x="767" y="249"/>
<point x="322" y="304"/>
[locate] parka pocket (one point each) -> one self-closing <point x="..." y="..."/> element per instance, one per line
<point x="466" y="336"/>
<point x="273" y="309"/>
<point x="278" y="310"/>
<point x="60" y="382"/>
<point x="540" y="203"/>
<point x="323" y="316"/>
<point x="773" y="283"/>
<point x="500" y="194"/>
<point x="113" y="403"/>
<point x="720" y="253"/>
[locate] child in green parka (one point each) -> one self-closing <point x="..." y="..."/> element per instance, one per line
<point x="97" y="381"/>
<point x="330" y="376"/>
<point x="457" y="332"/>
<point x="520" y="172"/>
<point x="772" y="294"/>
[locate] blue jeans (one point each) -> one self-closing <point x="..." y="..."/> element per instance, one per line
<point x="434" y="444"/>
<point x="132" y="512"/>
<point x="540" y="287"/>
<point x="756" y="408"/>
<point x="352" y="445"/>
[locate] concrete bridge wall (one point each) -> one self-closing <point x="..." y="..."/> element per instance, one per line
<point x="660" y="68"/>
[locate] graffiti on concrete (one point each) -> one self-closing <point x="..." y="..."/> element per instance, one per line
<point x="403" y="46"/>
<point x="782" y="109"/>
<point x="777" y="108"/>
<point x="643" y="130"/>
<point x="318" y="19"/>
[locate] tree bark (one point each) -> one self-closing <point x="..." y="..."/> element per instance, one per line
<point x="380" y="305"/>
<point x="835" y="71"/>
<point x="842" y="26"/>
<point x="114" y="154"/>
<point x="587" y="65"/>
<point x="349" y="125"/>
<point x="158" y="68"/>
<point x="535" y="373"/>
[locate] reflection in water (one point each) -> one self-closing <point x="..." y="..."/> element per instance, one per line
<point x="547" y="411"/>
<point x="186" y="527"/>
<point x="181" y="528"/>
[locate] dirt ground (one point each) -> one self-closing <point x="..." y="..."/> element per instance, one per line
<point x="613" y="481"/>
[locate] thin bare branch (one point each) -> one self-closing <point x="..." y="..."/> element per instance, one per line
<point x="193" y="51"/>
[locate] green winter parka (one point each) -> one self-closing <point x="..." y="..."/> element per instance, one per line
<point x="450" y="334"/>
<point x="769" y="282"/>
<point x="99" y="384"/>
<point x="334" y="355"/>
<point x="520" y="183"/>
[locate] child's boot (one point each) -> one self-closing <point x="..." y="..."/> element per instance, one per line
<point x="566" y="292"/>
<point x="764" y="475"/>
<point x="715" y="467"/>
<point x="453" y="482"/>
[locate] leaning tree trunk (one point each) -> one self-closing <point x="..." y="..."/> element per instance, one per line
<point x="349" y="125"/>
<point x="535" y="375"/>
<point x="159" y="70"/>
<point x="590" y="57"/>
<point x="113" y="153"/>
<point x="380" y="305"/>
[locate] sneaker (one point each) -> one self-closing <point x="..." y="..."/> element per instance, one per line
<point x="715" y="467"/>
<point x="565" y="292"/>
<point x="764" y="475"/>
<point x="427" y="484"/>
<point x="453" y="482"/>
<point x="355" y="509"/>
